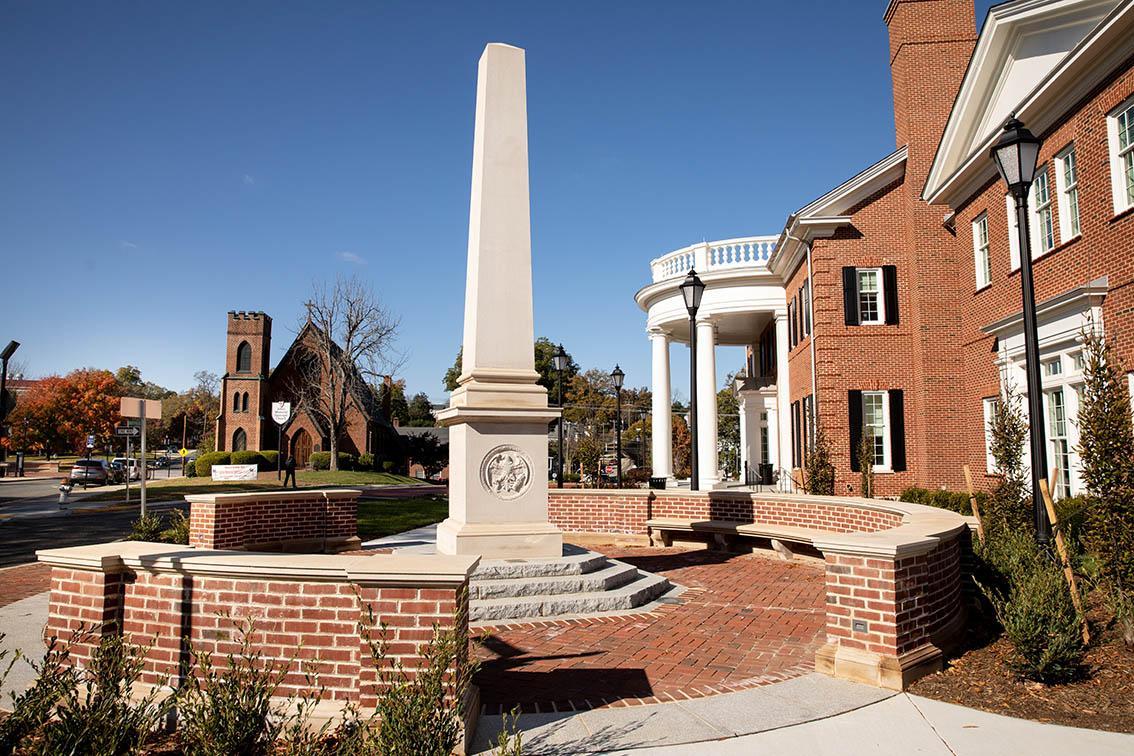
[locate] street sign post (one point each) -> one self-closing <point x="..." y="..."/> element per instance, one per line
<point x="182" y="452"/>
<point x="281" y="413"/>
<point x="127" y="430"/>
<point x="141" y="408"/>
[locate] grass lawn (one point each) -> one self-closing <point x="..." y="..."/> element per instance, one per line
<point x="388" y="516"/>
<point x="164" y="489"/>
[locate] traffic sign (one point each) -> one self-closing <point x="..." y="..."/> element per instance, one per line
<point x="183" y="451"/>
<point x="281" y="412"/>
<point x="127" y="430"/>
<point x="90" y="442"/>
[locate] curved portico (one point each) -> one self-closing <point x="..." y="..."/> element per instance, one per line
<point x="743" y="301"/>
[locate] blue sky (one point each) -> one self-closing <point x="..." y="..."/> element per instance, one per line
<point x="163" y="163"/>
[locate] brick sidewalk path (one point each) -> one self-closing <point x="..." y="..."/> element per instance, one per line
<point x="746" y="620"/>
<point x="23" y="581"/>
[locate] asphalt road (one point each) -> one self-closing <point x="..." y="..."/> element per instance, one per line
<point x="26" y="488"/>
<point x="20" y="538"/>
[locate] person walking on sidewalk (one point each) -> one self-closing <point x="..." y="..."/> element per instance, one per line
<point x="289" y="468"/>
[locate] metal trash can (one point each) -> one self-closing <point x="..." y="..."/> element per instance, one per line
<point x="657" y="484"/>
<point x="767" y="477"/>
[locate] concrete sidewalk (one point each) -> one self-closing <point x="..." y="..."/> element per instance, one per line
<point x="813" y="714"/>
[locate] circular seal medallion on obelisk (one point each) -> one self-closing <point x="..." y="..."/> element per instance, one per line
<point x="506" y="472"/>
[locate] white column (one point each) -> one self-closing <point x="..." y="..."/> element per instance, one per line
<point x="783" y="396"/>
<point x="751" y="405"/>
<point x="661" y="421"/>
<point x="773" y="433"/>
<point x="707" y="471"/>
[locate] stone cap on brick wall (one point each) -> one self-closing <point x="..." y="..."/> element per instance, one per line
<point x="281" y="495"/>
<point x="378" y="569"/>
<point x="922" y="528"/>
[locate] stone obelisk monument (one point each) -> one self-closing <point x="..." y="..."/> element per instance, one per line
<point x="498" y="416"/>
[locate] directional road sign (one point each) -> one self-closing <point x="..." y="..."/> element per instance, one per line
<point x="127" y="430"/>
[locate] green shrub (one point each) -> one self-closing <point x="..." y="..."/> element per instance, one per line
<point x="347" y="461"/>
<point x="955" y="501"/>
<point x="819" y="469"/>
<point x="388" y="466"/>
<point x="98" y="716"/>
<point x="1034" y="606"/>
<point x="248" y="457"/>
<point x="205" y="462"/>
<point x="54" y="678"/>
<point x="178" y="530"/>
<point x="191" y="470"/>
<point x="271" y="460"/>
<point x="320" y="460"/>
<point x="365" y="461"/>
<point x="1008" y="509"/>
<point x="227" y="708"/>
<point x="148" y="527"/>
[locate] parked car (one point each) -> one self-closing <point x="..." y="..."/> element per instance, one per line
<point x="129" y="464"/>
<point x="88" y="471"/>
<point x="161" y="462"/>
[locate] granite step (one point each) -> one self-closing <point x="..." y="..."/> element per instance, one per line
<point x="612" y="575"/>
<point x="573" y="562"/>
<point x="627" y="597"/>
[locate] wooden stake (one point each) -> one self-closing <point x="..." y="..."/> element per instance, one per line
<point x="1061" y="547"/>
<point x="973" y="503"/>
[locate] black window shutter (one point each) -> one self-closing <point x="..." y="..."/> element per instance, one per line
<point x="897" y="431"/>
<point x="850" y="296"/>
<point x="890" y="291"/>
<point x="854" y="404"/>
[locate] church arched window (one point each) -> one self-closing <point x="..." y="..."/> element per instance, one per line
<point x="239" y="440"/>
<point x="244" y="358"/>
<point x="236" y="402"/>
<point x="244" y="402"/>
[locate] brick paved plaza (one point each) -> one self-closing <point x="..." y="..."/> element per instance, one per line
<point x="745" y="620"/>
<point x="23" y="581"/>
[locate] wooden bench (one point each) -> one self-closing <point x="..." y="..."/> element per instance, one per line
<point x="725" y="533"/>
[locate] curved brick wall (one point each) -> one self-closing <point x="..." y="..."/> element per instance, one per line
<point x="614" y="511"/>
<point x="278" y="521"/>
<point x="894" y="598"/>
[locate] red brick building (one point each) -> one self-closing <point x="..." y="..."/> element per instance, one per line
<point x="901" y="313"/>
<point x="250" y="385"/>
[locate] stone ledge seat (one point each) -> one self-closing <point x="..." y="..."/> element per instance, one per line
<point x="725" y="532"/>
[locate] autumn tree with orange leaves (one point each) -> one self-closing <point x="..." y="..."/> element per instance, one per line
<point x="58" y="413"/>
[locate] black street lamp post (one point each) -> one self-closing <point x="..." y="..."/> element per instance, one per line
<point x="1015" y="155"/>
<point x="617" y="376"/>
<point x="559" y="362"/>
<point x="4" y="408"/>
<point x="691" y="290"/>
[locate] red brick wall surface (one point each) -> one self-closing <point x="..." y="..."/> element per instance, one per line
<point x="304" y="626"/>
<point x="229" y="524"/>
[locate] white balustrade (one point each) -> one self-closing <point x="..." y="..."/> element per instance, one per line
<point x="745" y="252"/>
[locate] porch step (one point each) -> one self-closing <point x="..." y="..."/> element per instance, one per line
<point x="643" y="588"/>
<point x="612" y="574"/>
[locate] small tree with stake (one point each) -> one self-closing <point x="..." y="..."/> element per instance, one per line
<point x="348" y="338"/>
<point x="1107" y="449"/>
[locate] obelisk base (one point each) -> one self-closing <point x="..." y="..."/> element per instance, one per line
<point x="521" y="540"/>
<point x="498" y="482"/>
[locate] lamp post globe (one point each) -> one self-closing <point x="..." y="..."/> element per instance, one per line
<point x="692" y="289"/>
<point x="559" y="362"/>
<point x="1015" y="154"/>
<point x="617" y="377"/>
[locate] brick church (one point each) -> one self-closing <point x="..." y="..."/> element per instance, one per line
<point x="890" y="306"/>
<point x="250" y="385"/>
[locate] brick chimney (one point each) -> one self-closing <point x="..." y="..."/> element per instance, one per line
<point x="931" y="42"/>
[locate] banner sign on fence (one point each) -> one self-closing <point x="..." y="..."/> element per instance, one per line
<point x="234" y="472"/>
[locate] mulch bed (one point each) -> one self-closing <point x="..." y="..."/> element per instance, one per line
<point x="1102" y="700"/>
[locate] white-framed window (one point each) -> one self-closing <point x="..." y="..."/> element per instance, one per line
<point x="1067" y="185"/>
<point x="876" y="426"/>
<point x="1013" y="233"/>
<point x="1043" y="215"/>
<point x="989" y="408"/>
<point x="1120" y="135"/>
<point x="871" y="306"/>
<point x="1078" y="362"/>
<point x="1060" y="443"/>
<point x="981" y="260"/>
<point x="1052" y="368"/>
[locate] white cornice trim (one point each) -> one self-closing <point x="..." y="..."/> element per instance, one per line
<point x="825" y="215"/>
<point x="1081" y="297"/>
<point x="1084" y="66"/>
